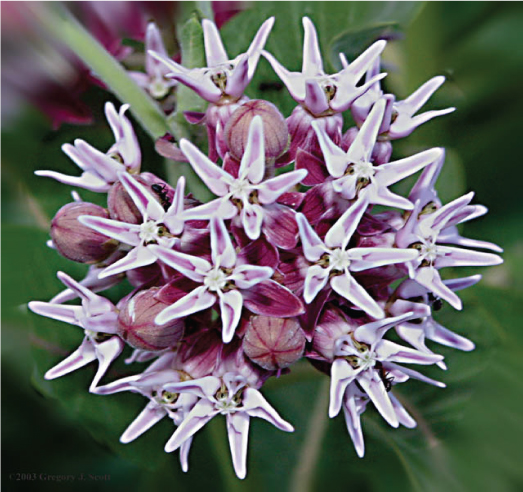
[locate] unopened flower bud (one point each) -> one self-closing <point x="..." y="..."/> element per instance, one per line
<point x="76" y="241"/>
<point x="273" y="343"/>
<point x="137" y="327"/>
<point x="274" y="129"/>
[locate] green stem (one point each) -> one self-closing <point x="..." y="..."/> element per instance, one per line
<point x="62" y="26"/>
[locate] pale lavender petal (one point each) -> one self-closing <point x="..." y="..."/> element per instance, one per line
<point x="184" y="454"/>
<point x="199" y="82"/>
<point x="238" y="434"/>
<point x="222" y="250"/>
<point x="214" y="177"/>
<point x="353" y="422"/>
<point x="424" y="189"/>
<point x="137" y="257"/>
<point x="405" y="236"/>
<point x="103" y="323"/>
<point x="126" y="142"/>
<point x="247" y="276"/>
<point x="252" y="165"/>
<point x="231" y="304"/>
<point x="404" y="124"/>
<point x="121" y="231"/>
<point x="89" y="159"/>
<point x="438" y="220"/>
<point x="154" y="42"/>
<point x="312" y="61"/>
<point x="364" y="62"/>
<point x="467" y="243"/>
<point x="106" y="352"/>
<point x="430" y="279"/>
<point x="347" y="287"/>
<point x="149" y="416"/>
<point x="255" y="405"/>
<point x="454" y="257"/>
<point x="214" y="51"/>
<point x="350" y="92"/>
<point x="462" y="283"/>
<point x="270" y="190"/>
<point x="379" y="396"/>
<point x="393" y="352"/>
<point x="220" y="207"/>
<point x="124" y="384"/>
<point x="411" y="373"/>
<point x="87" y="180"/>
<point x="390" y="173"/>
<point x="66" y="313"/>
<point x="315" y="281"/>
<point x="252" y="220"/>
<point x="341" y="232"/>
<point x="440" y="334"/>
<point x="82" y="356"/>
<point x="365" y="258"/>
<point x="294" y="81"/>
<point x="385" y="197"/>
<point x="420" y="96"/>
<point x="173" y="217"/>
<point x="188" y="265"/>
<point x="342" y="374"/>
<point x="203" y="387"/>
<point x="335" y="158"/>
<point x="239" y="78"/>
<point x="197" y="300"/>
<point x="315" y="97"/>
<point x="257" y="45"/>
<point x="403" y="416"/>
<point x="201" y="413"/>
<point x="370" y="333"/>
<point x="146" y="203"/>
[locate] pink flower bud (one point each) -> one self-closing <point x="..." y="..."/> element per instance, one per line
<point x="76" y="241"/>
<point x="274" y="129"/>
<point x="136" y="323"/>
<point x="273" y="343"/>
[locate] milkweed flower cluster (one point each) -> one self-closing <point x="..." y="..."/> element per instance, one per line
<point x="278" y="267"/>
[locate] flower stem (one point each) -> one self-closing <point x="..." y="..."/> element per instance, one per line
<point x="62" y="26"/>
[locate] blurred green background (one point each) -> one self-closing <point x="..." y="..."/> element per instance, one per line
<point x="469" y="434"/>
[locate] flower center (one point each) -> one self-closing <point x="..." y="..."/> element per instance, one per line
<point x="329" y="87"/>
<point x="240" y="188"/>
<point x="216" y="279"/>
<point x="364" y="170"/>
<point x="158" y="88"/>
<point x="339" y="259"/>
<point x="220" y="74"/>
<point x="149" y="231"/>
<point x="225" y="403"/>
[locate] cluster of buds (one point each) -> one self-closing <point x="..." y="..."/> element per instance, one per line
<point x="280" y="266"/>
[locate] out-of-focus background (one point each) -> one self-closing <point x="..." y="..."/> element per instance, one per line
<point x="469" y="434"/>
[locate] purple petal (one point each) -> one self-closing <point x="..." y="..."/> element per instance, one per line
<point x="379" y="396"/>
<point x="221" y="207"/>
<point x="315" y="97"/>
<point x="82" y="356"/>
<point x="315" y="281"/>
<point x="255" y="405"/>
<point x="137" y="257"/>
<point x="238" y="434"/>
<point x="214" y="51"/>
<point x="247" y="276"/>
<point x="214" y="177"/>
<point x="146" y="419"/>
<point x="335" y="158"/>
<point x="365" y="258"/>
<point x="279" y="226"/>
<point x="197" y="300"/>
<point x="269" y="191"/>
<point x="252" y="165"/>
<point x="347" y="287"/>
<point x="121" y="231"/>
<point x="222" y="250"/>
<point x="231" y="304"/>
<point x="342" y="374"/>
<point x="313" y="247"/>
<point x="188" y="265"/>
<point x="316" y="170"/>
<point x="269" y="298"/>
<point x="312" y="61"/>
<point x="341" y="232"/>
<point x="259" y="252"/>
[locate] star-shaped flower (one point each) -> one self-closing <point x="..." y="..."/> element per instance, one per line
<point x="334" y="262"/>
<point x="354" y="173"/>
<point x="229" y="395"/>
<point x="223" y="80"/>
<point x="97" y="316"/>
<point x="100" y="170"/>
<point x="159" y="226"/>
<point x="248" y="195"/>
<point x="320" y="93"/>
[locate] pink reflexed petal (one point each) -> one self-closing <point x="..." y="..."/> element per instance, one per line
<point x="390" y="173"/>
<point x="365" y="258"/>
<point x="87" y="180"/>
<point x="146" y="203"/>
<point x="201" y="413"/>
<point x="222" y="250"/>
<point x="279" y="226"/>
<point x="121" y="231"/>
<point x="312" y="61"/>
<point x="252" y="219"/>
<point x="379" y="396"/>
<point x="295" y="82"/>
<point x="184" y="454"/>
<point x="393" y="352"/>
<point x="316" y="171"/>
<point x="342" y="374"/>
<point x="221" y="207"/>
<point x="347" y="287"/>
<point x="353" y="422"/>
<point x="149" y="416"/>
<point x="454" y="257"/>
<point x="252" y="165"/>
<point x="172" y="218"/>
<point x="197" y="300"/>
<point x="269" y="298"/>
<point x="313" y="247"/>
<point x="440" y="334"/>
<point x="257" y="45"/>
<point x="239" y="78"/>
<point x="255" y="405"/>
<point x="106" y="353"/>
<point x="341" y="232"/>
<point x="137" y="257"/>
<point x="188" y="265"/>
<point x="231" y="304"/>
<point x="315" y="281"/>
<point x="203" y="388"/>
<point x="65" y="313"/>
<point x="238" y="434"/>
<point x="335" y="158"/>
<point x="269" y="191"/>
<point x="213" y="176"/>
<point x="361" y="148"/>
<point x="429" y="278"/>
<point x="247" y="276"/>
<point x="370" y="333"/>
<point x="82" y="356"/>
<point x="315" y="97"/>
<point x="214" y="51"/>
<point x="403" y="416"/>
